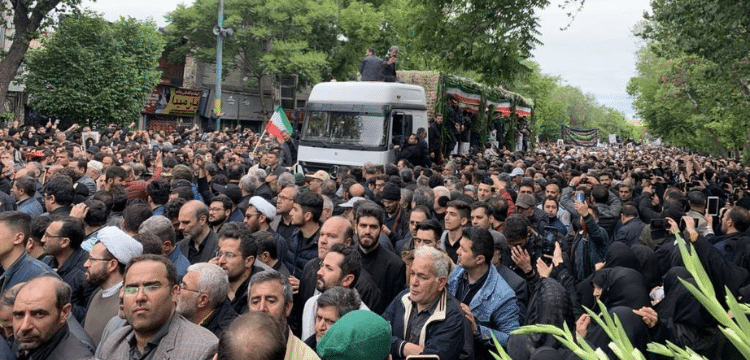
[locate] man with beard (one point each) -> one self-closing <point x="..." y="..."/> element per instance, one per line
<point x="341" y="267"/>
<point x="258" y="217"/>
<point x="200" y="242"/>
<point x="203" y="298"/>
<point x="40" y="314"/>
<point x="271" y="293"/>
<point x="236" y="255"/>
<point x="218" y="211"/>
<point x="388" y="270"/>
<point x="104" y="268"/>
<point x="303" y="245"/>
<point x="336" y="230"/>
<point x="154" y="330"/>
<point x="396" y="219"/>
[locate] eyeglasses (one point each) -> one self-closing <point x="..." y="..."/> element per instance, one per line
<point x="285" y="198"/>
<point x="46" y="234"/>
<point x="95" y="259"/>
<point x="229" y="255"/>
<point x="248" y="216"/>
<point x="131" y="290"/>
<point x="183" y="287"/>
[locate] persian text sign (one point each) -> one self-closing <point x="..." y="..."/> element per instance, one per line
<point x="169" y="100"/>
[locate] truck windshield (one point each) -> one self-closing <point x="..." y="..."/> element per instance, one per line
<point x="345" y="128"/>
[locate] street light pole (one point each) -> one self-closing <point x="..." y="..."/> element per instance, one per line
<point x="220" y="33"/>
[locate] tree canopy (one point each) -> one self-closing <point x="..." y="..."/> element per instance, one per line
<point x="692" y="87"/>
<point x="95" y="72"/>
<point x="320" y="40"/>
<point x="28" y="17"/>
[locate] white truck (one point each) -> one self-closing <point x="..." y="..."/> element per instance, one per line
<point x="352" y="123"/>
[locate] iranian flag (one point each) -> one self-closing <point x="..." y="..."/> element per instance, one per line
<point x="279" y="124"/>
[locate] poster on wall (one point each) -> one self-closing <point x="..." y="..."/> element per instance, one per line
<point x="168" y="100"/>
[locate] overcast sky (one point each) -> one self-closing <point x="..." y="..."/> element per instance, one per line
<point x="596" y="54"/>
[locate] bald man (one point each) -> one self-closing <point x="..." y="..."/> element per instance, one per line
<point x="356" y="190"/>
<point x="200" y="242"/>
<point x="336" y="230"/>
<point x="253" y="336"/>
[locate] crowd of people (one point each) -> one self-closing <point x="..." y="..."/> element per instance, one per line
<point x="190" y="245"/>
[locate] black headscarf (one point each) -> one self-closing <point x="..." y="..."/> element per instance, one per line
<point x="549" y="304"/>
<point x="649" y="264"/>
<point x="622" y="286"/>
<point x="619" y="254"/>
<point x="686" y="321"/>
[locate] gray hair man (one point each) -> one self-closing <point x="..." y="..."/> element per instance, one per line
<point x="162" y="227"/>
<point x="202" y="298"/>
<point x="434" y="307"/>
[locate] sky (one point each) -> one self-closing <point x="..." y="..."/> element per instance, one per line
<point x="596" y="53"/>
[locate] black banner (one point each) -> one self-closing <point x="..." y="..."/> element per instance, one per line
<point x="580" y="137"/>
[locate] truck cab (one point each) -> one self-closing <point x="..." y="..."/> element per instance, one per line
<point x="352" y="123"/>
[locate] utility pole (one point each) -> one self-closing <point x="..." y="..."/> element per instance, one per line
<point x="220" y="33"/>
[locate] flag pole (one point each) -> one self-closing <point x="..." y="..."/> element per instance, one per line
<point x="257" y="143"/>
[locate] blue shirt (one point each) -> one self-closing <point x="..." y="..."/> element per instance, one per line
<point x="159" y="210"/>
<point x="180" y="262"/>
<point x="23" y="269"/>
<point x="31" y="206"/>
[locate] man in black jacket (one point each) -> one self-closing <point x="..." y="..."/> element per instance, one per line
<point x="426" y="319"/>
<point x="62" y="241"/>
<point x="388" y="270"/>
<point x="203" y="298"/>
<point x="433" y="135"/>
<point x="40" y="314"/>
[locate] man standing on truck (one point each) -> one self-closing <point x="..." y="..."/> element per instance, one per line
<point x="371" y="68"/>
<point x="389" y="65"/>
<point x="434" y="143"/>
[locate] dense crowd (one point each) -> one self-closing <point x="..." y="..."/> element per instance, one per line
<point x="146" y="245"/>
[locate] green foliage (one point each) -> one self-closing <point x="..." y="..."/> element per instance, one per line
<point x="489" y="37"/>
<point x="688" y="101"/>
<point x="270" y="37"/>
<point x="696" y="62"/>
<point x="95" y="72"/>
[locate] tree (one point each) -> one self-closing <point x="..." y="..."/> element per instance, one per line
<point x="270" y="37"/>
<point x="684" y="100"/>
<point x="489" y="37"/>
<point x="548" y="111"/>
<point x="95" y="72"/>
<point x="28" y="17"/>
<point x="703" y="45"/>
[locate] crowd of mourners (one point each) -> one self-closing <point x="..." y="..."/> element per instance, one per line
<point x="191" y="245"/>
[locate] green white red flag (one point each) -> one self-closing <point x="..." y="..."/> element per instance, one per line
<point x="279" y="124"/>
